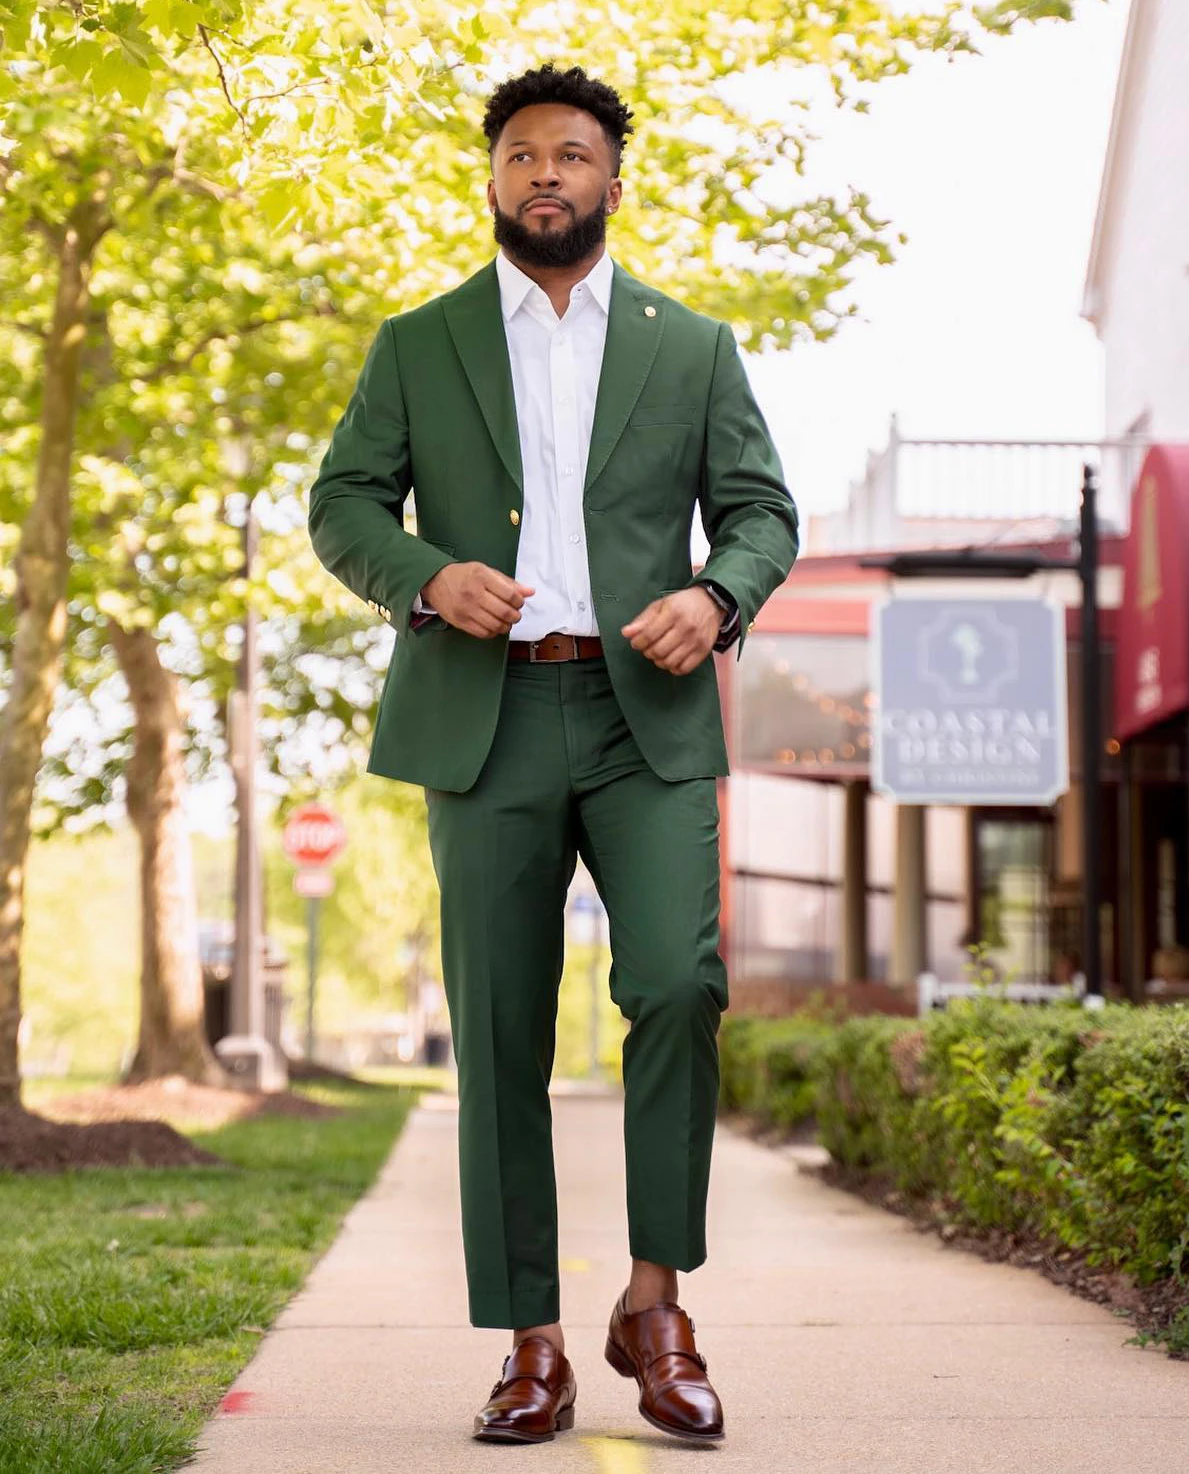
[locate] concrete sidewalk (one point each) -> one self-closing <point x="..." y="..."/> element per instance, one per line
<point x="838" y="1337"/>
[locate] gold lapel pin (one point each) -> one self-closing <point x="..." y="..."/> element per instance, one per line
<point x="650" y="312"/>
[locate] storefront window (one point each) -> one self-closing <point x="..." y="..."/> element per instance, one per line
<point x="804" y="704"/>
<point x="785" y="929"/>
<point x="947" y="881"/>
<point x="785" y="827"/>
<point x="785" y="845"/>
<point x="880" y="923"/>
<point x="1014" y="864"/>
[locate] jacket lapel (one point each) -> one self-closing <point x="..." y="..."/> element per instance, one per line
<point x="633" y="338"/>
<point x="476" y="324"/>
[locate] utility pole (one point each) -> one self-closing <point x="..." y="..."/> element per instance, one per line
<point x="247" y="991"/>
<point x="246" y="1053"/>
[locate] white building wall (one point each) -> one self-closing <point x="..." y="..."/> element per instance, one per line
<point x="1141" y="301"/>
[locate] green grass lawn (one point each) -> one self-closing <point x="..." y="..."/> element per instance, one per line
<point x="130" y="1299"/>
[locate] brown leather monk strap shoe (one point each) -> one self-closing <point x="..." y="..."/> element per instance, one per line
<point x="534" y="1398"/>
<point x="656" y="1346"/>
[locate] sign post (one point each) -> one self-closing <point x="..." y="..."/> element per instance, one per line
<point x="312" y="838"/>
<point x="976" y="563"/>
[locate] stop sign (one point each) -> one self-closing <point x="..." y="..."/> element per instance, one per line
<point x="314" y="835"/>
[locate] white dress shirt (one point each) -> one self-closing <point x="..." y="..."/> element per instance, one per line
<point x="556" y="364"/>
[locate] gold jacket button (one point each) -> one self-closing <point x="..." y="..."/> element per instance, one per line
<point x="373" y="606"/>
<point x="650" y="312"/>
<point x="751" y="626"/>
<point x="514" y="517"/>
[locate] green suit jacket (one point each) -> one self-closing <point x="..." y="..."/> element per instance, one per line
<point x="433" y="412"/>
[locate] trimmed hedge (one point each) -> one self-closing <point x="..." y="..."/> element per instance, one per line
<point x="1051" y="1120"/>
<point x="767" y="1067"/>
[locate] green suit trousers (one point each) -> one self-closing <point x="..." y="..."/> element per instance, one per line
<point x="565" y="777"/>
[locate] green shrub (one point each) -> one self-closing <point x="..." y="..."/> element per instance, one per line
<point x="767" y="1066"/>
<point x="1125" y="1125"/>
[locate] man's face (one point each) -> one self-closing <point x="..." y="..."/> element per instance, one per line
<point x="557" y="156"/>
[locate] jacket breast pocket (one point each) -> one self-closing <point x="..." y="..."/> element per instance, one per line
<point x="645" y="415"/>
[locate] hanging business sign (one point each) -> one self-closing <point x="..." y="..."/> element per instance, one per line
<point x="971" y="701"/>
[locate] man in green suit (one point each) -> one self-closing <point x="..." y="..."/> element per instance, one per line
<point x="552" y="691"/>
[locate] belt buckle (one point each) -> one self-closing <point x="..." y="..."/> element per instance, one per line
<point x="532" y="650"/>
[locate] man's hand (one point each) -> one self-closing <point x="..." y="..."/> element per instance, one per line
<point x="475" y="598"/>
<point x="678" y="631"/>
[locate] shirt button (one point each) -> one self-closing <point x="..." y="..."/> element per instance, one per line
<point x="567" y="470"/>
<point x="581" y="604"/>
<point x="560" y="340"/>
<point x="574" y="537"/>
<point x="514" y="517"/>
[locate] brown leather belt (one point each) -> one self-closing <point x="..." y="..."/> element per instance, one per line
<point x="556" y="647"/>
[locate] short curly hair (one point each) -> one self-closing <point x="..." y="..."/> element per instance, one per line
<point x="572" y="88"/>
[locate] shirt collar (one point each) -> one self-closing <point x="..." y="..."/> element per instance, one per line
<point x="515" y="285"/>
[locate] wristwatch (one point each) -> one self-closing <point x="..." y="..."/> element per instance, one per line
<point x="729" y="628"/>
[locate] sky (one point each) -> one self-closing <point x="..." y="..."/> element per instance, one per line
<point x="991" y="166"/>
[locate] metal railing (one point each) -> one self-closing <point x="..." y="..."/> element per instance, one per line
<point x="933" y="993"/>
<point x="944" y="493"/>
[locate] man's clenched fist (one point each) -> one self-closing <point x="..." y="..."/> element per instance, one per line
<point x="480" y="600"/>
<point x="678" y="631"/>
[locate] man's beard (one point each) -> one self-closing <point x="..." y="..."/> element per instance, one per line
<point x="552" y="247"/>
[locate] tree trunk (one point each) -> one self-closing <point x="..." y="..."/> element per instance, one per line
<point x="172" y="1039"/>
<point x="41" y="566"/>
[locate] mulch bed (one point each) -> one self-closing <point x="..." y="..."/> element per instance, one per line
<point x="127" y="1125"/>
<point x="30" y="1143"/>
<point x="1152" y="1308"/>
<point x="173" y="1098"/>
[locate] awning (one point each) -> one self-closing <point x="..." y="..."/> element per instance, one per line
<point x="1152" y="649"/>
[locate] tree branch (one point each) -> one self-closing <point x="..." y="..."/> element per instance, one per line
<point x="45" y="227"/>
<point x="206" y="41"/>
<point x="197" y="184"/>
<point x="24" y="327"/>
<point x="285" y="91"/>
<point x="253" y="325"/>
